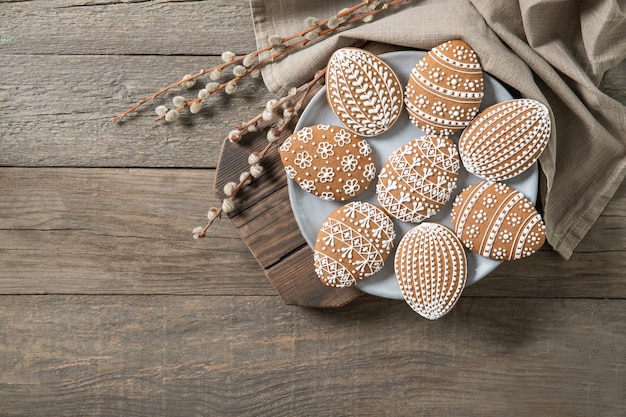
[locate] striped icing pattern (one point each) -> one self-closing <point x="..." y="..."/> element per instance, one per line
<point x="445" y="89"/>
<point x="497" y="221"/>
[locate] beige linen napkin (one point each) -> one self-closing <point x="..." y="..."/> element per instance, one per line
<point x="552" y="51"/>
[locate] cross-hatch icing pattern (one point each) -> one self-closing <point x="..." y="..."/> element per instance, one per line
<point x="328" y="161"/>
<point x="363" y="91"/>
<point x="353" y="243"/>
<point x="419" y="178"/>
<point x="505" y="139"/>
<point x="445" y="89"/>
<point x="497" y="221"/>
<point x="431" y="269"/>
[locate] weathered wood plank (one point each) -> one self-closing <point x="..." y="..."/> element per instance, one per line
<point x="127" y="231"/>
<point x="190" y="356"/>
<point x="59" y="115"/>
<point x="65" y="27"/>
<point x="117" y="231"/>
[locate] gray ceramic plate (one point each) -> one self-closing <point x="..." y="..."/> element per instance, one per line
<point x="311" y="211"/>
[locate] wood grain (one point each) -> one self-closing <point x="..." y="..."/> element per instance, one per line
<point x="223" y="356"/>
<point x="109" y="308"/>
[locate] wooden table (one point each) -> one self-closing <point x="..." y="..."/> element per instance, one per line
<point x="109" y="308"/>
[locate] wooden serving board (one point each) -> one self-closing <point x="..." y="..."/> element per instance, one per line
<point x="265" y="222"/>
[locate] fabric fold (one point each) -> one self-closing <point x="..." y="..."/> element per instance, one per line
<point x="552" y="51"/>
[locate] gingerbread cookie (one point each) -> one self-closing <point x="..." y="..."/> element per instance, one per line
<point x="353" y="243"/>
<point x="328" y="161"/>
<point x="505" y="139"/>
<point x="497" y="221"/>
<point x="363" y="91"/>
<point x="418" y="178"/>
<point x="431" y="269"/>
<point x="445" y="89"/>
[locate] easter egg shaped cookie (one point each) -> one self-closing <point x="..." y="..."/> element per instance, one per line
<point x="353" y="243"/>
<point x="328" y="161"/>
<point x="445" y="89"/>
<point x="363" y="91"/>
<point x="418" y="178"/>
<point x="497" y="221"/>
<point x="505" y="139"/>
<point x="431" y="269"/>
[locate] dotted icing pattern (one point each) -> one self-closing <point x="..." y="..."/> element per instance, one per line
<point x="505" y="139"/>
<point x="497" y="221"/>
<point x="419" y="178"/>
<point x="363" y="91"/>
<point x="353" y="243"/>
<point x="445" y="89"/>
<point x="431" y="269"/>
<point x="328" y="161"/>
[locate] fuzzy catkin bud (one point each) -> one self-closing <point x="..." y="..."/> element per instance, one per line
<point x="250" y="60"/>
<point x="198" y="232"/>
<point x="275" y="40"/>
<point x="212" y="86"/>
<point x="215" y="75"/>
<point x="230" y="188"/>
<point x="239" y="71"/>
<point x="269" y="106"/>
<point x="333" y="22"/>
<point x="310" y="21"/>
<point x="203" y="94"/>
<point x="267" y="115"/>
<point x="228" y="205"/>
<point x="230" y="88"/>
<point x="188" y="83"/>
<point x="195" y="107"/>
<point x="244" y="178"/>
<point x="179" y="101"/>
<point x="255" y="73"/>
<point x="213" y="214"/>
<point x="172" y="116"/>
<point x="161" y="110"/>
<point x="254" y="158"/>
<point x="272" y="137"/>
<point x="288" y="112"/>
<point x="252" y="128"/>
<point x="312" y="35"/>
<point x="256" y="171"/>
<point x="228" y="56"/>
<point x="234" y="136"/>
<point x="368" y="18"/>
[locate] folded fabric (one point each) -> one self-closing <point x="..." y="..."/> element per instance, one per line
<point x="552" y="51"/>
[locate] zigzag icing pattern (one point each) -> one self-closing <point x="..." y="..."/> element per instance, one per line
<point x="419" y="178"/>
<point x="353" y="243"/>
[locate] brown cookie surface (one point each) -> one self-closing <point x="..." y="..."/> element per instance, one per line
<point x="328" y="161"/>
<point x="431" y="269"/>
<point x="445" y="89"/>
<point x="497" y="221"/>
<point x="363" y="91"/>
<point x="418" y="178"/>
<point x="353" y="243"/>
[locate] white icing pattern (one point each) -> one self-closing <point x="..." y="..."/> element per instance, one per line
<point x="419" y="178"/>
<point x="353" y="243"/>
<point x="445" y="89"/>
<point x="363" y="91"/>
<point x="497" y="221"/>
<point x="328" y="161"/>
<point x="505" y="139"/>
<point x="431" y="269"/>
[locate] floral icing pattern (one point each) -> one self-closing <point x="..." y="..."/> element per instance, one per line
<point x="329" y="162"/>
